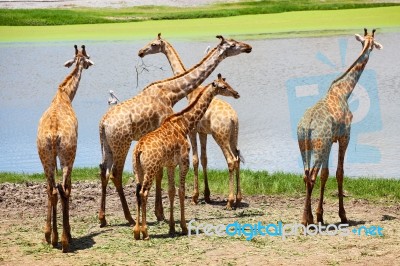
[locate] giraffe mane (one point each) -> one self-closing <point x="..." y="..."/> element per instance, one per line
<point x="176" y="54"/>
<point x="190" y="106"/>
<point x="352" y="65"/>
<point x="67" y="79"/>
<point x="184" y="73"/>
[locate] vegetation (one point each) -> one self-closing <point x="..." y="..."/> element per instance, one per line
<point x="252" y="182"/>
<point x="45" y="17"/>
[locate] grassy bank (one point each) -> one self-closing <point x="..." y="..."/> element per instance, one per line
<point x="253" y="183"/>
<point x="46" y="17"/>
<point x="288" y="24"/>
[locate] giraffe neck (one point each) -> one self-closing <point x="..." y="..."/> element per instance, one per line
<point x="188" y="118"/>
<point x="345" y="84"/>
<point x="70" y="84"/>
<point x="173" y="59"/>
<point x="176" y="88"/>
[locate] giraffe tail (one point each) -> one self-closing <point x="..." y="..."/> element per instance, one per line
<point x="239" y="157"/>
<point x="306" y="152"/>
<point x="139" y="175"/>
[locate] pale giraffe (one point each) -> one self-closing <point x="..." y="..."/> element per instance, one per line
<point x="167" y="146"/>
<point x="57" y="137"/>
<point x="328" y="121"/>
<point x="220" y="120"/>
<point x="143" y="113"/>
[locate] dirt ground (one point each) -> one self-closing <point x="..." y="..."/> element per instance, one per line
<point x="23" y="206"/>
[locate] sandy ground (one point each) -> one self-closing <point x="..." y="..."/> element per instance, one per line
<point x="103" y="3"/>
<point x="23" y="211"/>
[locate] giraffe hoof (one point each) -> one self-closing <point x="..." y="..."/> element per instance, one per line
<point x="65" y="246"/>
<point x="103" y="224"/>
<point x="47" y="237"/>
<point x="185" y="232"/>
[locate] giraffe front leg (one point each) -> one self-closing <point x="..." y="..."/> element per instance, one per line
<point x="183" y="169"/>
<point x="203" y="143"/>
<point x="171" y="196"/>
<point x="195" y="158"/>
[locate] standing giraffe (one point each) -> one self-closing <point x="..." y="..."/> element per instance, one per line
<point x="167" y="146"/>
<point x="328" y="121"/>
<point x="220" y="120"/>
<point x="143" y="113"/>
<point x="57" y="136"/>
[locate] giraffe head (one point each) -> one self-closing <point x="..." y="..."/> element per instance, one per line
<point x="223" y="88"/>
<point x="368" y="40"/>
<point x="153" y="47"/>
<point x="81" y="57"/>
<point x="230" y="47"/>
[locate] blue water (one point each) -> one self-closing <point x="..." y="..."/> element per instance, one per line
<point x="277" y="82"/>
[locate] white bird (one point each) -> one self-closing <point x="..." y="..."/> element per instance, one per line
<point x="207" y="49"/>
<point x="113" y="99"/>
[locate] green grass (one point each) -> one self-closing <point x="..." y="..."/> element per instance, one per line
<point x="288" y="24"/>
<point x="253" y="183"/>
<point x="45" y="17"/>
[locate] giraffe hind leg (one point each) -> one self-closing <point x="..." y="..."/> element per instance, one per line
<point x="50" y="229"/>
<point x="105" y="170"/>
<point x="343" y="143"/>
<point x="65" y="192"/>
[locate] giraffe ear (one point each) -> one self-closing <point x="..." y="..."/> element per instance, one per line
<point x="378" y="45"/>
<point x="359" y="38"/>
<point x="69" y="62"/>
<point x="90" y="62"/>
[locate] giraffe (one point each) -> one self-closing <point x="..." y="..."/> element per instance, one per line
<point x="143" y="113"/>
<point x="167" y="146"/>
<point x="328" y="121"/>
<point x="57" y="137"/>
<point x="220" y="120"/>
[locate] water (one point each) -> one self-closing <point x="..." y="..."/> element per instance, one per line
<point x="277" y="82"/>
